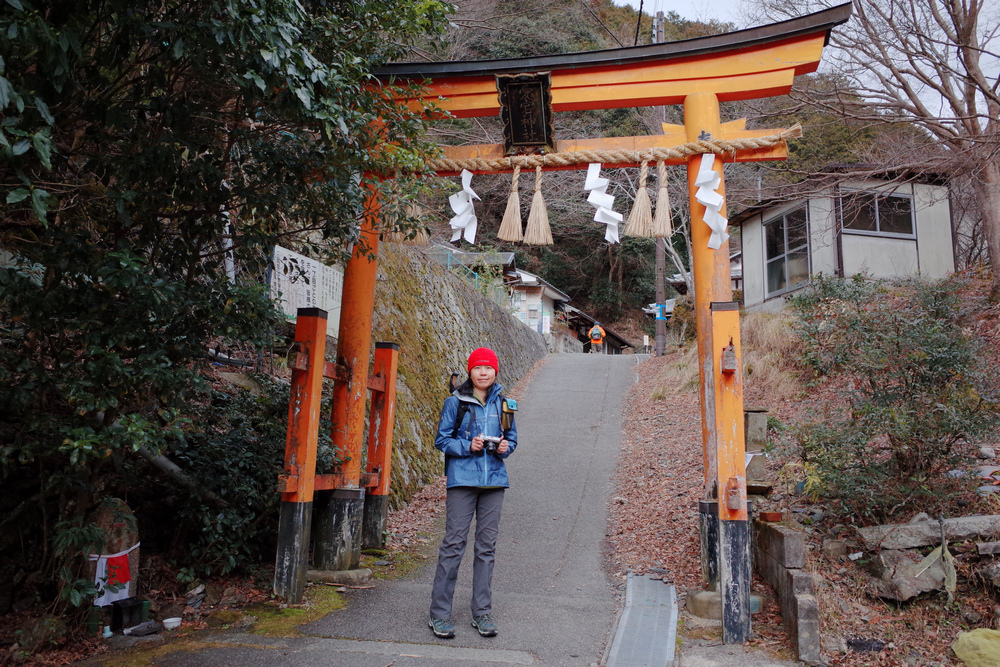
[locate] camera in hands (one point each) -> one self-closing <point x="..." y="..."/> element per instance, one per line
<point x="490" y="444"/>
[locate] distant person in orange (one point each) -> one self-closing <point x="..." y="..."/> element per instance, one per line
<point x="596" y="336"/>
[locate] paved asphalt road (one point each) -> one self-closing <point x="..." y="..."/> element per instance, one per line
<point x="553" y="602"/>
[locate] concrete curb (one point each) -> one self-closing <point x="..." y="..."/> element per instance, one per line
<point x="647" y="628"/>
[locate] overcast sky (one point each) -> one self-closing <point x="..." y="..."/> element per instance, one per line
<point x="697" y="10"/>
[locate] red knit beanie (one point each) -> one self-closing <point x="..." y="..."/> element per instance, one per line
<point x="483" y="356"/>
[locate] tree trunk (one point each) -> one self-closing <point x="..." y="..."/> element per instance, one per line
<point x="988" y="194"/>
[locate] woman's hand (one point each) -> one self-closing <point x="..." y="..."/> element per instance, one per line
<point x="477" y="444"/>
<point x="503" y="446"/>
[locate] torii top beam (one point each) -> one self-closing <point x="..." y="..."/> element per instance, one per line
<point x="747" y="64"/>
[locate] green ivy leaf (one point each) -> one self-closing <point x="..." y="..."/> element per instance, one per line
<point x="40" y="200"/>
<point x="6" y="92"/>
<point x="43" y="109"/>
<point x="18" y="195"/>
<point x="43" y="146"/>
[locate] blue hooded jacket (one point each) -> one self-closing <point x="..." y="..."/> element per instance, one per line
<point x="463" y="466"/>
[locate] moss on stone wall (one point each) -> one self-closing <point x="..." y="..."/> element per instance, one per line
<point x="437" y="319"/>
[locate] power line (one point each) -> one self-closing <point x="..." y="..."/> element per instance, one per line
<point x="584" y="3"/>
<point x="638" y="23"/>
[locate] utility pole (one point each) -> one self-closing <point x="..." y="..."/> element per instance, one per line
<point x="661" y="294"/>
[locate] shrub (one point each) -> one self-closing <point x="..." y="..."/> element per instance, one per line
<point x="916" y="390"/>
<point x="684" y="322"/>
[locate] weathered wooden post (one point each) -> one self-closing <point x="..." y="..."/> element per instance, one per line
<point x="380" y="423"/>
<point x="300" y="457"/>
<point x="339" y="512"/>
<point x="722" y="428"/>
<point x="734" y="525"/>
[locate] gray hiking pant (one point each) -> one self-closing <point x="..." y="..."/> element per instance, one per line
<point x="464" y="502"/>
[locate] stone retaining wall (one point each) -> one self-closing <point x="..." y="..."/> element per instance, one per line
<point x="780" y="555"/>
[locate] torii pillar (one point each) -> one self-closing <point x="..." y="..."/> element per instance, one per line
<point x="724" y="448"/>
<point x="339" y="512"/>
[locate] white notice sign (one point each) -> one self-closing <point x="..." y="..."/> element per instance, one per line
<point x="300" y="282"/>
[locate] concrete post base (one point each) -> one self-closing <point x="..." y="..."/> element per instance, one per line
<point x="337" y="529"/>
<point x="374" y="523"/>
<point x="293" y="551"/>
<point x="708" y="604"/>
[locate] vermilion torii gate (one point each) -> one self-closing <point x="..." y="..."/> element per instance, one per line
<point x="698" y="74"/>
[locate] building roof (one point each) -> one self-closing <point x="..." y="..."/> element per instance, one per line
<point x="838" y="172"/>
<point x="452" y="257"/>
<point x="531" y="280"/>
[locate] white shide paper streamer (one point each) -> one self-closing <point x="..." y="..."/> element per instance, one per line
<point x="708" y="182"/>
<point x="602" y="201"/>
<point x="465" y="222"/>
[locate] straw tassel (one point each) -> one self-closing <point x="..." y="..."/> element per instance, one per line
<point x="640" y="220"/>
<point x="537" y="232"/>
<point x="510" y="228"/>
<point x="662" y="227"/>
<point x="421" y="237"/>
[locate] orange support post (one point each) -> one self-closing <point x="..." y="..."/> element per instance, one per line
<point x="712" y="281"/>
<point x="300" y="457"/>
<point x="728" y="386"/>
<point x="721" y="403"/>
<point x="734" y="525"/>
<point x="340" y="512"/>
<point x="382" y="417"/>
<point x="354" y="344"/>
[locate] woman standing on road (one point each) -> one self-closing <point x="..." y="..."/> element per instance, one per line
<point x="475" y="443"/>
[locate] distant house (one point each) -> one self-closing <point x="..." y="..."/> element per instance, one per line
<point x="870" y="226"/>
<point x="535" y="301"/>
<point x="532" y="300"/>
<point x="546" y="309"/>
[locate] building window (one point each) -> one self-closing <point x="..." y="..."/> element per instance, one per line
<point x="786" y="243"/>
<point x="874" y="213"/>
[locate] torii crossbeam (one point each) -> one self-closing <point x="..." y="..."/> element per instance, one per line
<point x="697" y="73"/>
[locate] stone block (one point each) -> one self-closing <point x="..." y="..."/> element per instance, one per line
<point x="806" y="636"/>
<point x="755" y="425"/>
<point x="756" y="468"/>
<point x="834" y="549"/>
<point x="928" y="533"/>
<point x="708" y="604"/>
<point x="358" y="577"/>
<point x="786" y="546"/>
<point x="900" y="580"/>
<point x="705" y="604"/>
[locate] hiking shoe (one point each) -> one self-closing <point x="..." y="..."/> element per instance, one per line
<point x="442" y="627"/>
<point x="484" y="624"/>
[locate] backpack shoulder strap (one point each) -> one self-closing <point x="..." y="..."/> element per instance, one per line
<point x="463" y="408"/>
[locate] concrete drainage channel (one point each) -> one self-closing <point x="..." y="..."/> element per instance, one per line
<point x="647" y="629"/>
